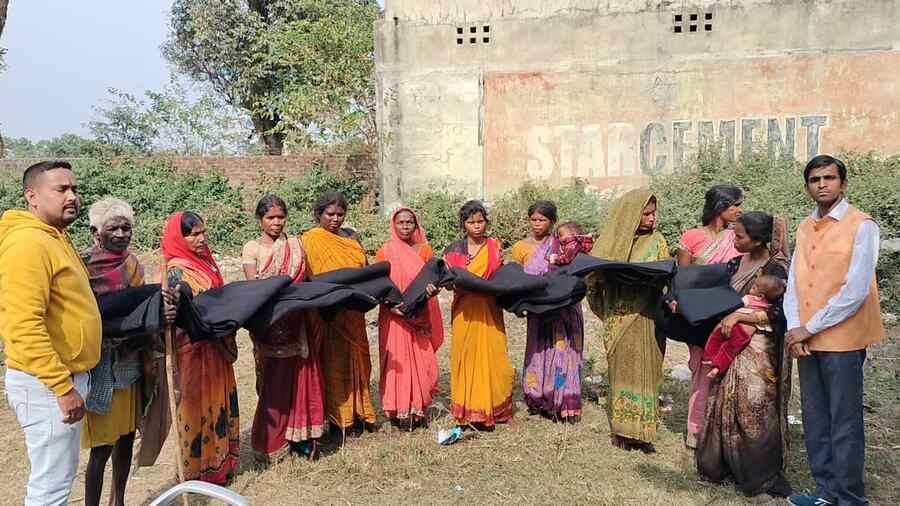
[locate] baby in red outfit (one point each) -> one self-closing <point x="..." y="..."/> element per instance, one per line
<point x="721" y="349"/>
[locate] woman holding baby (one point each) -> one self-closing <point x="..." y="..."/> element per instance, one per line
<point x="551" y="380"/>
<point x="745" y="432"/>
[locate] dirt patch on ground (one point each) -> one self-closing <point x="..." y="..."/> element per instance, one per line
<point x="528" y="461"/>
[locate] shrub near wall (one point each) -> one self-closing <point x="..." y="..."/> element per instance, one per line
<point x="574" y="202"/>
<point x="155" y="191"/>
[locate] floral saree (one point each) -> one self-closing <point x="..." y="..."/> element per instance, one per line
<point x="633" y="351"/>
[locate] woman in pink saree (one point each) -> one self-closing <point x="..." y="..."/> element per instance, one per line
<point x="409" y="369"/>
<point x="710" y="243"/>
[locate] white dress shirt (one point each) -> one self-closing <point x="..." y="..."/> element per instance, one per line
<point x="853" y="291"/>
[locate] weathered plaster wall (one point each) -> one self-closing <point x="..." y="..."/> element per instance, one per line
<point x="612" y="92"/>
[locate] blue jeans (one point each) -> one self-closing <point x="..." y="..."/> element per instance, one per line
<point x="831" y="389"/>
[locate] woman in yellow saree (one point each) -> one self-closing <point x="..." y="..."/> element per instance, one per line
<point x="481" y="374"/>
<point x="345" y="359"/>
<point x="633" y="351"/>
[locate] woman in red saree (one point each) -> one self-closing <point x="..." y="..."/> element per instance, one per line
<point x="207" y="413"/>
<point x="407" y="347"/>
<point x="290" y="411"/>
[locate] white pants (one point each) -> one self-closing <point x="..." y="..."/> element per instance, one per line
<point x="53" y="446"/>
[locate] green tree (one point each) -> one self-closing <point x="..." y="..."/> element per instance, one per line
<point x="64" y="146"/>
<point x="297" y="66"/>
<point x="124" y="125"/>
<point x="176" y="120"/>
<point x="197" y="122"/>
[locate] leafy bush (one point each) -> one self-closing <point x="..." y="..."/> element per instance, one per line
<point x="155" y="191"/>
<point x="438" y="210"/>
<point x="373" y="228"/>
<point x="509" y="220"/>
<point x="889" y="281"/>
<point x="300" y="194"/>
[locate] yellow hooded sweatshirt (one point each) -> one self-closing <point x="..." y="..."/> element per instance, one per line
<point x="48" y="314"/>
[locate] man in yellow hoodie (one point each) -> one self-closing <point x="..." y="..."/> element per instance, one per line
<point x="50" y="326"/>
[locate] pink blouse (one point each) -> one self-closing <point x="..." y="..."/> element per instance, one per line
<point x="704" y="252"/>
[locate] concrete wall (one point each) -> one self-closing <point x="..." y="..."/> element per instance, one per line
<point x="617" y="90"/>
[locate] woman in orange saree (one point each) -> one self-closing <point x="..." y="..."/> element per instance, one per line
<point x="207" y="414"/>
<point x="481" y="374"/>
<point x="290" y="412"/>
<point x="407" y="347"/>
<point x="345" y="359"/>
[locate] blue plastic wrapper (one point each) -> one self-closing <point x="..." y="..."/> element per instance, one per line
<point x="448" y="437"/>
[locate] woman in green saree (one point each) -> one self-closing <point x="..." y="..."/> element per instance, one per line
<point x="633" y="352"/>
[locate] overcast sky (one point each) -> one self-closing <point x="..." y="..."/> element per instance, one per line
<point x="64" y="54"/>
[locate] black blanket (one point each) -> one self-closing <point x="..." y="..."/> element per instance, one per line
<point x="704" y="295"/>
<point x="517" y="291"/>
<point x="256" y="304"/>
<point x="415" y="296"/>
<point x="704" y="292"/>
<point x="131" y="312"/>
<point x="509" y="279"/>
<point x="559" y="292"/>
<point x="652" y="273"/>
<point x="354" y="289"/>
<point x="220" y="312"/>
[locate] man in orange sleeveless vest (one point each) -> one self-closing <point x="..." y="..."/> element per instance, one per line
<point x="832" y="311"/>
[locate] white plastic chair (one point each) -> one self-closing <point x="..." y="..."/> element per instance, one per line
<point x="201" y="488"/>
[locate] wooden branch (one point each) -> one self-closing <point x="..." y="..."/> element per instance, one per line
<point x="170" y="378"/>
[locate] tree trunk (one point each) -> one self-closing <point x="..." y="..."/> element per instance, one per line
<point x="4" y="5"/>
<point x="273" y="141"/>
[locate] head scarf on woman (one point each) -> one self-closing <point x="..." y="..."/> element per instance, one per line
<point x="405" y="266"/>
<point x="617" y="236"/>
<point x="174" y="246"/>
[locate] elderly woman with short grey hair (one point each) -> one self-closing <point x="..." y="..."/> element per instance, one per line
<point x="113" y="406"/>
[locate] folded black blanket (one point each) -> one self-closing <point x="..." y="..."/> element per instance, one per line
<point x="560" y="291"/>
<point x="704" y="295"/>
<point x="621" y="272"/>
<point x="704" y="292"/>
<point x="700" y="304"/>
<point x="508" y="280"/>
<point x="131" y="312"/>
<point x="517" y="291"/>
<point x="220" y="312"/>
<point x="701" y="276"/>
<point x="415" y="296"/>
<point x="256" y="304"/>
<point x="351" y="289"/>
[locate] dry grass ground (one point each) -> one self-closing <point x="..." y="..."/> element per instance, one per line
<point x="528" y="461"/>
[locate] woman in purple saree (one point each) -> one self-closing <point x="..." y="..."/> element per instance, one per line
<point x="551" y="379"/>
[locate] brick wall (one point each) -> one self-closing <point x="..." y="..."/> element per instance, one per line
<point x="246" y="169"/>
